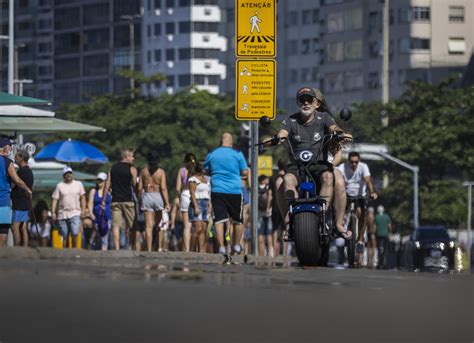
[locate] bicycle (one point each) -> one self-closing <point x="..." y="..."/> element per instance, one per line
<point x="352" y="221"/>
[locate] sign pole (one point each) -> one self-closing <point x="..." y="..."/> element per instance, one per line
<point x="254" y="183"/>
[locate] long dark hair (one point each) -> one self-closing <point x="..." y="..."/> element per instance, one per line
<point x="40" y="206"/>
<point x="153" y="161"/>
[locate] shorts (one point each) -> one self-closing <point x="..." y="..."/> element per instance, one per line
<point x="246" y="195"/>
<point x="247" y="234"/>
<point x="315" y="169"/>
<point x="123" y="211"/>
<point x="152" y="202"/>
<point x="265" y="226"/>
<point x="360" y="202"/>
<point x="5" y="215"/>
<point x="184" y="201"/>
<point x="227" y="206"/>
<point x="203" y="205"/>
<point x="178" y="230"/>
<point x="44" y="231"/>
<point x="20" y="216"/>
<point x="71" y="225"/>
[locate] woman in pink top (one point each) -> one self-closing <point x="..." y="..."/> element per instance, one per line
<point x="185" y="197"/>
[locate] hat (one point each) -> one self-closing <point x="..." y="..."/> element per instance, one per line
<point x="67" y="170"/>
<point x="4" y="141"/>
<point x="102" y="176"/>
<point x="315" y="93"/>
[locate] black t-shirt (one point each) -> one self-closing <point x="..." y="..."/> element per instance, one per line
<point x="308" y="136"/>
<point x="121" y="182"/>
<point x="20" y="200"/>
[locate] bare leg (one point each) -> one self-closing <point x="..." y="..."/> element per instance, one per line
<point x="3" y="239"/>
<point x="261" y="245"/>
<point x="220" y="235"/>
<point x="276" y="242"/>
<point x="327" y="181"/>
<point x="16" y="233"/>
<point x="116" y="237"/>
<point x="149" y="224"/>
<point x="187" y="231"/>
<point x="270" y="250"/>
<point x="201" y="235"/>
<point x="340" y="202"/>
<point x="288" y="188"/>
<point x="361" y="215"/>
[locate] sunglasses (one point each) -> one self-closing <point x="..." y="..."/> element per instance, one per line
<point x="306" y="98"/>
<point x="354" y="162"/>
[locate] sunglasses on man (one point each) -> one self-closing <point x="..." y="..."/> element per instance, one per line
<point x="306" y="98"/>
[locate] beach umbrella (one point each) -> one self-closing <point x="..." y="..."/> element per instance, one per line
<point x="71" y="151"/>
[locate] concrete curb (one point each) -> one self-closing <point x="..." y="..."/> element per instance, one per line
<point x="74" y="254"/>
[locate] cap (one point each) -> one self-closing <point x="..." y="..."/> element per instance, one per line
<point x="4" y="141"/>
<point x="67" y="170"/>
<point x="102" y="176"/>
<point x="315" y="93"/>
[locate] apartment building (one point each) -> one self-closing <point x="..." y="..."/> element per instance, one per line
<point x="336" y="45"/>
<point x="181" y="40"/>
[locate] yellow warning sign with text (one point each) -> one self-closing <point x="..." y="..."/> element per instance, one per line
<point x="265" y="164"/>
<point x="255" y="89"/>
<point x="255" y="28"/>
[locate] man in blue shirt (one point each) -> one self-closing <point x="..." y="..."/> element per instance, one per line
<point x="226" y="166"/>
<point x="7" y="175"/>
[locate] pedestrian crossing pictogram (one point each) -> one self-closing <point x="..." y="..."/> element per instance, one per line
<point x="255" y="39"/>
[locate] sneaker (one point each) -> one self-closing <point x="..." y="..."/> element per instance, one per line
<point x="227" y="259"/>
<point x="237" y="249"/>
<point x="360" y="247"/>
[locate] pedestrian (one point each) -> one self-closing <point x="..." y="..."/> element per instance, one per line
<point x="68" y="206"/>
<point x="8" y="174"/>
<point x="265" y="225"/>
<point x="176" y="227"/>
<point x="153" y="197"/>
<point x="40" y="229"/>
<point x="383" y="230"/>
<point x="122" y="179"/>
<point x="200" y="191"/>
<point x="247" y="236"/>
<point x="21" y="203"/>
<point x="226" y="166"/>
<point x="96" y="195"/>
<point x="182" y="190"/>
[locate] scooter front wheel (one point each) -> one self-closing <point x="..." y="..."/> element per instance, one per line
<point x="306" y="235"/>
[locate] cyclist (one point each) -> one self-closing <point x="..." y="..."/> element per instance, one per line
<point x="305" y="129"/>
<point x="357" y="177"/>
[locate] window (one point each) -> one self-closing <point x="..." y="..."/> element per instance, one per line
<point x="305" y="74"/>
<point x="169" y="28"/>
<point x="316" y="46"/>
<point x="184" y="80"/>
<point x="353" y="80"/>
<point x="315" y="16"/>
<point x="148" y="57"/>
<point x="375" y="21"/>
<point x="66" y="68"/>
<point x="456" y="46"/>
<point x="67" y="43"/>
<point x="335" y="22"/>
<point x="157" y="4"/>
<point x="406" y="15"/>
<point x="314" y="74"/>
<point x="230" y="15"/>
<point x="157" y="55"/>
<point x="205" y="2"/>
<point x="407" y="44"/>
<point x="96" y="14"/>
<point x="335" y="52"/>
<point x="65" y="18"/>
<point x="184" y="53"/>
<point x="306" y="17"/>
<point x="184" y="27"/>
<point x="170" y="80"/>
<point x="157" y="29"/>
<point x="44" y="24"/>
<point x="184" y="3"/>
<point x="293" y="75"/>
<point x="334" y="82"/>
<point x="292" y="18"/>
<point x="96" y="65"/>
<point x="293" y="47"/>
<point x="206" y="80"/>
<point x="456" y="13"/>
<point x="170" y="54"/>
<point x="44" y="48"/>
<point x="169" y="3"/>
<point x="375" y="49"/>
<point x="45" y="71"/>
<point x="148" y="30"/>
<point x="67" y="92"/>
<point x="205" y="53"/>
<point x="353" y="19"/>
<point x="331" y="2"/>
<point x="95" y="87"/>
<point x="374" y="80"/>
<point x="305" y="46"/>
<point x="204" y="26"/>
<point x="96" y="39"/>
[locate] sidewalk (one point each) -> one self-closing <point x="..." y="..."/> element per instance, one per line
<point x="75" y="254"/>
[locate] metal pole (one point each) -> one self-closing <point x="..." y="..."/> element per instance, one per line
<point x="385" y="68"/>
<point x="416" y="222"/>
<point x="254" y="182"/>
<point x="132" y="58"/>
<point x="11" y="31"/>
<point x="469" y="214"/>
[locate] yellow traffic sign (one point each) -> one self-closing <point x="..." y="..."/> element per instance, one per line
<point x="265" y="164"/>
<point x="255" y="89"/>
<point x="255" y="28"/>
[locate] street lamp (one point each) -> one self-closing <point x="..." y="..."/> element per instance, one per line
<point x="469" y="185"/>
<point x="131" y="21"/>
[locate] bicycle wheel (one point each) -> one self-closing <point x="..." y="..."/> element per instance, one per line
<point x="351" y="243"/>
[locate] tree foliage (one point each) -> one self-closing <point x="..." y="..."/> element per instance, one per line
<point x="190" y="121"/>
<point x="431" y="127"/>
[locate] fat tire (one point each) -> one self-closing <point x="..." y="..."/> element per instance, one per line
<point x="306" y="234"/>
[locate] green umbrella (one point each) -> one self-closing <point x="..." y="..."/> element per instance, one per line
<point x="11" y="99"/>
